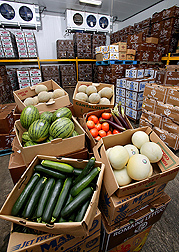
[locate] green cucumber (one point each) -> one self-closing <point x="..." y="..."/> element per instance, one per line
<point x="22" y="199"/>
<point x="81" y="213"/>
<point x="44" y="197"/>
<point x="89" y="166"/>
<point x="68" y="200"/>
<point x="52" y="200"/>
<point x="58" y="166"/>
<point x="34" y="197"/>
<point x="62" y="199"/>
<point x="77" y="202"/>
<point x="85" y="181"/>
<point x="39" y="168"/>
<point x="77" y="171"/>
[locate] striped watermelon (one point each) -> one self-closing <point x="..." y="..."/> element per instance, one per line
<point x="39" y="130"/>
<point x="25" y="137"/>
<point x="75" y="133"/>
<point x="28" y="116"/>
<point x="62" y="112"/>
<point x="61" y="128"/>
<point x="29" y="143"/>
<point x="47" y="115"/>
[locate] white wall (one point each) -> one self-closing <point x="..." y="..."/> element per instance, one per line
<point x="148" y="13"/>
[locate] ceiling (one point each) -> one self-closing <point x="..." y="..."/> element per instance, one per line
<point x="120" y="9"/>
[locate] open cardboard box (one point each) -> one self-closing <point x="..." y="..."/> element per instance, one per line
<point x="21" y="94"/>
<point x="164" y="170"/>
<point x="81" y="107"/>
<point x="72" y="228"/>
<point x="98" y="113"/>
<point x="115" y="235"/>
<point x="26" y="242"/>
<point x="57" y="147"/>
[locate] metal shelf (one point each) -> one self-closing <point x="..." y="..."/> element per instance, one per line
<point x="168" y="58"/>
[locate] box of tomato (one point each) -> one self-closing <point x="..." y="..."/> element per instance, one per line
<point x="101" y="123"/>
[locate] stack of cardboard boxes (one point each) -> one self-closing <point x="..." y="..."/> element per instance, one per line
<point x="6" y="89"/>
<point x="83" y="47"/>
<point x="8" y="47"/>
<point x="85" y="72"/>
<point x="50" y="72"/>
<point x="67" y="75"/>
<point x="65" y="49"/>
<point x="28" y="77"/>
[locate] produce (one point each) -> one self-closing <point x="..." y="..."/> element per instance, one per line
<point x="91" y="89"/>
<point x="29" y="143"/>
<point x="58" y="166"/>
<point x="36" y="100"/>
<point x="25" y="137"/>
<point x="94" y="98"/>
<point x="39" y="88"/>
<point x="81" y="96"/>
<point x="122" y="176"/>
<point x="29" y="101"/>
<point x="139" y="138"/>
<point x="132" y="149"/>
<point x="107" y="92"/>
<point x="138" y="167"/>
<point x="47" y="115"/>
<point x="61" y="128"/>
<point x="118" y="157"/>
<point x="152" y="151"/>
<point x="82" y="88"/>
<point x="82" y="211"/>
<point x="44" y="96"/>
<point x="104" y="101"/>
<point x="107" y="151"/>
<point x="39" y="130"/>
<point x="49" y="172"/>
<point x="28" y="116"/>
<point x="75" y="133"/>
<point x="58" y="93"/>
<point x="151" y="171"/>
<point x="62" y="112"/>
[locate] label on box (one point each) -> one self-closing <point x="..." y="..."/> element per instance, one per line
<point x="136" y="105"/>
<point x="149" y="104"/>
<point x="154" y="119"/>
<point x="173" y="96"/>
<point x="170" y="126"/>
<point x="136" y="96"/>
<point x="134" y="114"/>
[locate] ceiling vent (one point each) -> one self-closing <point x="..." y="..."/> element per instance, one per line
<point x="19" y="14"/>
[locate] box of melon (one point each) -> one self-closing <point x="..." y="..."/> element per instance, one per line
<point x="127" y="171"/>
<point x="47" y="133"/>
<point x="90" y="96"/>
<point x="46" y="96"/>
<point x="58" y="197"/>
<point x="102" y="123"/>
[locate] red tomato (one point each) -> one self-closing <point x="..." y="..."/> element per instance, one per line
<point x="115" y="131"/>
<point x="94" y="132"/>
<point x="106" y="115"/>
<point x="93" y="118"/>
<point x="100" y="119"/>
<point x="90" y="124"/>
<point x="98" y="126"/>
<point x="105" y="126"/>
<point x="109" y="133"/>
<point x="98" y="138"/>
<point x="102" y="133"/>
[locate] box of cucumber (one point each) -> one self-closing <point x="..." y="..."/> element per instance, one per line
<point x="56" y="196"/>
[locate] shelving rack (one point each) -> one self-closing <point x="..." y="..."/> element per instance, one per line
<point x="170" y="57"/>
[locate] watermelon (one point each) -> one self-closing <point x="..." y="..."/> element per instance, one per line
<point x="25" y="137"/>
<point x="28" y="116"/>
<point x="61" y="128"/>
<point x="62" y="112"/>
<point x="29" y="143"/>
<point x="39" y="130"/>
<point x="75" y="133"/>
<point x="47" y="115"/>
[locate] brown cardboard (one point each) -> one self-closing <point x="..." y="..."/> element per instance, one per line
<point x="81" y="107"/>
<point x="167" y="110"/>
<point x="170" y="126"/>
<point x="165" y="170"/>
<point x="154" y="119"/>
<point x="72" y="228"/>
<point x="170" y="139"/>
<point x="116" y="209"/>
<point x="149" y="104"/>
<point x="135" y="243"/>
<point x="173" y="96"/>
<point x="114" y="235"/>
<point x="98" y="114"/>
<point x="131" y="51"/>
<point x="21" y="242"/>
<point x="57" y="147"/>
<point x="99" y="57"/>
<point x="130" y="57"/>
<point x="22" y="94"/>
<point x="155" y="91"/>
<point x="152" y="40"/>
<point x="144" y="122"/>
<point x="122" y="55"/>
<point x="6" y="118"/>
<point x="171" y="78"/>
<point x="6" y="140"/>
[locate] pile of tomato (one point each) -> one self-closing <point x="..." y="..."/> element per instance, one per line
<point x="100" y="129"/>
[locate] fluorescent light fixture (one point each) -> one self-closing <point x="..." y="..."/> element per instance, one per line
<point x="94" y="2"/>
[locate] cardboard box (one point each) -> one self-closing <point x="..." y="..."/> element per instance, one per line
<point x="130" y="57"/>
<point x="6" y="117"/>
<point x="164" y="170"/>
<point x="134" y="73"/>
<point x="122" y="46"/>
<point x="121" y="99"/>
<point x="98" y="114"/>
<point x="155" y="91"/>
<point x="170" y="126"/>
<point x="153" y="118"/>
<point x="23" y="242"/>
<point x="21" y="95"/>
<point x="133" y="114"/>
<point x="81" y="107"/>
<point x="57" y="147"/>
<point x="134" y="243"/>
<point x="99" y="57"/>
<point x="172" y="96"/>
<point x="167" y="110"/>
<point x="6" y="140"/>
<point x="122" y="55"/>
<point x="113" y="236"/>
<point x="144" y="122"/>
<point x="72" y="228"/>
<point x="116" y="209"/>
<point x="170" y="139"/>
<point x="121" y="83"/>
<point x="121" y="92"/>
<point x="131" y="51"/>
<point x="114" y="48"/>
<point x="152" y="40"/>
<point x="149" y="104"/>
<point x="171" y="78"/>
<point x="136" y="96"/>
<point x="137" y="85"/>
<point x="136" y="105"/>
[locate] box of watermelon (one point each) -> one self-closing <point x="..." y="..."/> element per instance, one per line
<point x="47" y="133"/>
<point x="56" y="196"/>
<point x="46" y="96"/>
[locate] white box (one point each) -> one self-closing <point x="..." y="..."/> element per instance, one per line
<point x="31" y="45"/>
<point x="121" y="99"/>
<point x="21" y="45"/>
<point x="19" y="34"/>
<point x="20" y="39"/>
<point x="134" y="114"/>
<point x="24" y="85"/>
<point x="29" y="34"/>
<point x="104" y="49"/>
<point x="136" y="96"/>
<point x="136" y="105"/>
<point x="114" y="48"/>
<point x="7" y="44"/>
<point x="134" y="73"/>
<point x="23" y="80"/>
<point x="32" y="55"/>
<point x="35" y="80"/>
<point x="136" y="85"/>
<point x="121" y="92"/>
<point x="23" y="55"/>
<point x="34" y="72"/>
<point x="98" y="49"/>
<point x="22" y="73"/>
<point x="5" y="33"/>
<point x="149" y="72"/>
<point x="6" y="39"/>
<point x="30" y="39"/>
<point x="121" y="83"/>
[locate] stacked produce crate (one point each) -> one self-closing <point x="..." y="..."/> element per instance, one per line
<point x="12" y="73"/>
<point x="6" y="89"/>
<point x="83" y="47"/>
<point x="50" y="72"/>
<point x="8" y="45"/>
<point x="85" y="72"/>
<point x="28" y="77"/>
<point x="97" y="40"/>
<point x="65" y="49"/>
<point x="67" y="75"/>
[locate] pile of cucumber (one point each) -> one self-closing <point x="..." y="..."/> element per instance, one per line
<point x="57" y="192"/>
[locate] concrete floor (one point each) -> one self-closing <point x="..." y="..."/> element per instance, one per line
<point x="163" y="236"/>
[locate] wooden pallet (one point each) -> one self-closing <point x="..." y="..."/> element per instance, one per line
<point x="118" y="62"/>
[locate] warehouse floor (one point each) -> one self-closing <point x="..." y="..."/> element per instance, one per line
<point x="163" y="236"/>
